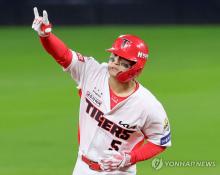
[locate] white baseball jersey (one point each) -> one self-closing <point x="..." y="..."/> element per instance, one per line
<point x="138" y="117"/>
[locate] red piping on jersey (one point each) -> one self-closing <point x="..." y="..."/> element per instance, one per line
<point x="80" y="92"/>
<point x="55" y="47"/>
<point x="78" y="134"/>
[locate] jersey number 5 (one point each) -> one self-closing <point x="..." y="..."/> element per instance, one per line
<point x="115" y="145"/>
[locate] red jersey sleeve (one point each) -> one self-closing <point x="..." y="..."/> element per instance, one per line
<point x="55" y="47"/>
<point x="145" y="152"/>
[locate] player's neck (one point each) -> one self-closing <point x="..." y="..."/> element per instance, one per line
<point x="122" y="89"/>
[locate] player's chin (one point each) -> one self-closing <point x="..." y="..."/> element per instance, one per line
<point x="113" y="72"/>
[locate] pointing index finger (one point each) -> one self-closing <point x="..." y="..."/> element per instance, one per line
<point x="36" y="14"/>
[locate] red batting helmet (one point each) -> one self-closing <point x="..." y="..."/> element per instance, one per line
<point x="132" y="48"/>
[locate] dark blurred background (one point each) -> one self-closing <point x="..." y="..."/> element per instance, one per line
<point x="67" y="12"/>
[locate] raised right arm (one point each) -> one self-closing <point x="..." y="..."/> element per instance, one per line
<point x="53" y="45"/>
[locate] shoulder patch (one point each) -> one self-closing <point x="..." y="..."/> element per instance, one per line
<point x="80" y="57"/>
<point x="166" y="126"/>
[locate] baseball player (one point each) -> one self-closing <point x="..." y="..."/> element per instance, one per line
<point x="120" y="122"/>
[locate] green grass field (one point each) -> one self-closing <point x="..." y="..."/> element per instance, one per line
<point x="39" y="102"/>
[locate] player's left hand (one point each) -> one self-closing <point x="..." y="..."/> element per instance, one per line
<point x="114" y="160"/>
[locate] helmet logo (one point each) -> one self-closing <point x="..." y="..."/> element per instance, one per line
<point x="125" y="43"/>
<point x="142" y="55"/>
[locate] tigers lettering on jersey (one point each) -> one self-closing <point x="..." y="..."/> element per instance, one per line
<point x="106" y="124"/>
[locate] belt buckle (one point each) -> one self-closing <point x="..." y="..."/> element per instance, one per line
<point x="94" y="166"/>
